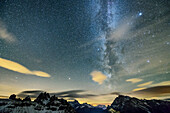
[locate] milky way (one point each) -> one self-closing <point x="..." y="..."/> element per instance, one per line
<point x="137" y="40"/>
<point x="91" y="45"/>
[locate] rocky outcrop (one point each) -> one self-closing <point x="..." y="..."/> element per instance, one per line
<point x="12" y="97"/>
<point x="126" y="104"/>
<point x="43" y="98"/>
<point x="27" y="98"/>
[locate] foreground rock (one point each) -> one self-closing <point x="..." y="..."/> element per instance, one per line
<point x="42" y="104"/>
<point x="126" y="104"/>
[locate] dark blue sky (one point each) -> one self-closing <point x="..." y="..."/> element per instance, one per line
<point x="98" y="46"/>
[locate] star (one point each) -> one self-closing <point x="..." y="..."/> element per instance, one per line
<point x="148" y="61"/>
<point x="98" y="49"/>
<point x="140" y="14"/>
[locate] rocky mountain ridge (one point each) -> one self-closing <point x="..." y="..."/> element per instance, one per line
<point x="42" y="104"/>
<point x="45" y="103"/>
<point x="126" y="104"/>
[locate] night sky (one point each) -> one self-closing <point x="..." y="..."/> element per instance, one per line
<point x="90" y="50"/>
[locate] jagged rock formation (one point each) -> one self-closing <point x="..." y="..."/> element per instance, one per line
<point x="12" y="97"/>
<point x="126" y="104"/>
<point x="27" y="98"/>
<point x="42" y="104"/>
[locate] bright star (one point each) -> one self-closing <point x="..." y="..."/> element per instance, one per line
<point x="140" y="14"/>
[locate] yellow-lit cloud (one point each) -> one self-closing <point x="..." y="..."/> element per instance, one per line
<point x="14" y="66"/>
<point x="5" y="35"/>
<point x="164" y="83"/>
<point x="134" y="80"/>
<point x="40" y="73"/>
<point x="98" y="76"/>
<point x="145" y="84"/>
<point x="138" y="89"/>
<point x="152" y="92"/>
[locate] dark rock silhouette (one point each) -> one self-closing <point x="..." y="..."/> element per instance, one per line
<point x="43" y="103"/>
<point x="126" y="104"/>
<point x="12" y="97"/>
<point x="27" y="98"/>
<point x="42" y="97"/>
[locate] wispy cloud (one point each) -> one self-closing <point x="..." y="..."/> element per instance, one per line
<point x="31" y="93"/>
<point x="164" y="83"/>
<point x="145" y="84"/>
<point x="5" y="34"/>
<point x="98" y="76"/>
<point x="72" y="94"/>
<point x="157" y="91"/>
<point x="3" y="97"/>
<point x="14" y="66"/>
<point x="134" y="80"/>
<point x="138" y="89"/>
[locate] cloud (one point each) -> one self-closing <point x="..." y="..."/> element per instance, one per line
<point x="134" y="80"/>
<point x="164" y="83"/>
<point x="138" y="89"/>
<point x="31" y="93"/>
<point x="68" y="92"/>
<point x="98" y="76"/>
<point x="77" y="95"/>
<point x="72" y="94"/>
<point x="3" y="97"/>
<point x="115" y="93"/>
<point x="157" y="91"/>
<point x="40" y="73"/>
<point x="5" y="35"/>
<point x="145" y="84"/>
<point x="14" y="66"/>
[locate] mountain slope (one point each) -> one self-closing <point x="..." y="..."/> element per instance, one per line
<point x="126" y="104"/>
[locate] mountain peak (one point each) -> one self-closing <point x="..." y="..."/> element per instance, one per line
<point x="43" y="98"/>
<point x="42" y="104"/>
<point x="126" y="104"/>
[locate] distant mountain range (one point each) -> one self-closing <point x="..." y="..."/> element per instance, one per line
<point x="45" y="103"/>
<point x="87" y="108"/>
